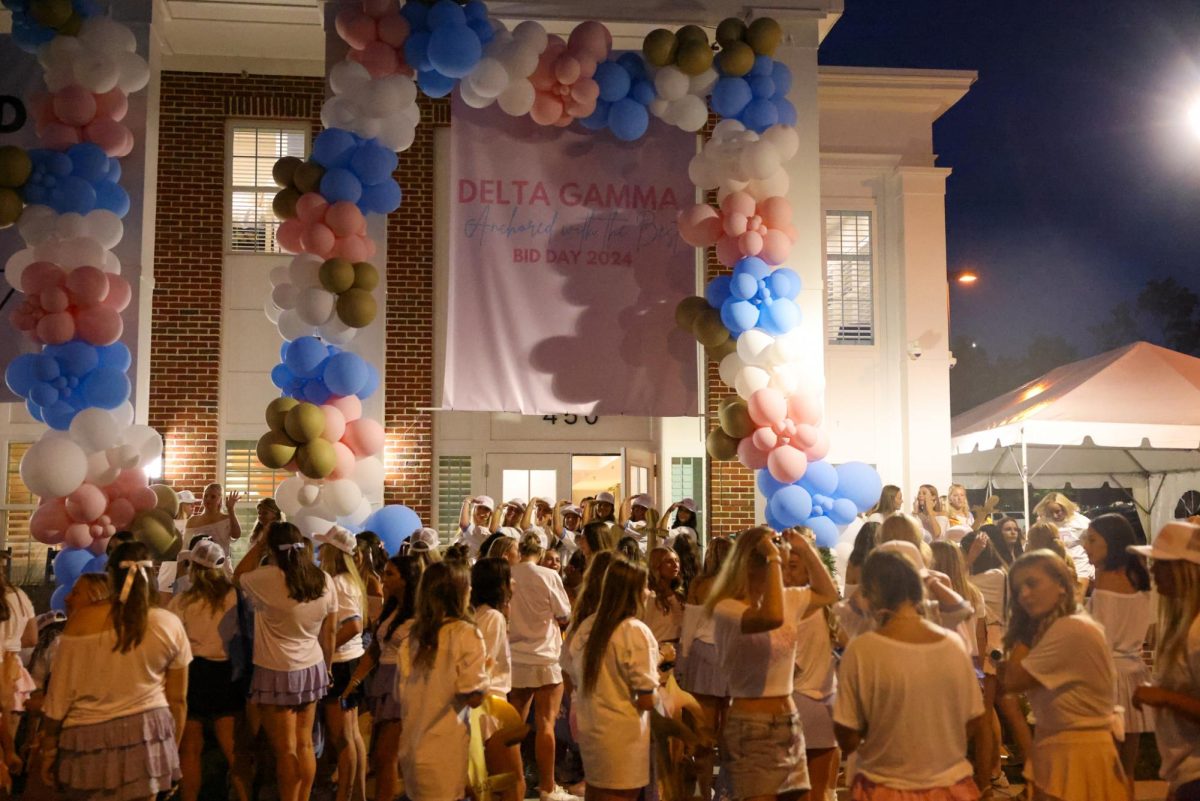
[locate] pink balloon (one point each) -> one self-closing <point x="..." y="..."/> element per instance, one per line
<point x="728" y="252"/>
<point x="786" y="464"/>
<point x="289" y="235"/>
<point x="586" y="91"/>
<point x="355" y="28"/>
<point x="74" y="105"/>
<point x="394" y="30"/>
<point x="804" y="407"/>
<point x="738" y="203"/>
<point x="87" y="284"/>
<point x="86" y="503"/>
<point x="344" y="219"/>
<point x="55" y="299"/>
<point x="128" y="482"/>
<point x="364" y="436"/>
<point x="765" y="439"/>
<point x="776" y="247"/>
<point x="767" y="407"/>
<point x="750" y="456"/>
<point x="55" y="329"/>
<point x="344" y="462"/>
<point x="805" y="436"/>
<point x="350" y="407"/>
<point x="318" y="239"/>
<point x="119" y="292"/>
<point x="49" y="522"/>
<point x="310" y="208"/>
<point x="566" y="69"/>
<point x="750" y="243"/>
<point x="40" y="276"/>
<point x="352" y="248"/>
<point x="100" y="546"/>
<point x="546" y="109"/>
<point x="110" y="136"/>
<point x="96" y="530"/>
<point x="57" y="136"/>
<point x="820" y="449"/>
<point x="121" y="512"/>
<point x="590" y="38"/>
<point x="734" y="224"/>
<point x="99" y="325"/>
<point x="143" y="498"/>
<point x="377" y="8"/>
<point x="335" y="423"/>
<point x="77" y="535"/>
<point x="776" y="211"/>
<point x="700" y="225"/>
<point x="380" y="59"/>
<point x="113" y="104"/>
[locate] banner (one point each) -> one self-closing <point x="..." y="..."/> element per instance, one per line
<point x="565" y="266"/>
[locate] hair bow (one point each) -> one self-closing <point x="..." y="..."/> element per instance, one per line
<point x="129" y="566"/>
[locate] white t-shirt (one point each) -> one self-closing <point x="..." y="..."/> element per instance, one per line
<point x="667" y="626"/>
<point x="494" y="628"/>
<point x="20" y="612"/>
<point x="349" y="606"/>
<point x="993" y="586"/>
<point x="286" y="632"/>
<point x="539" y="601"/>
<point x="218" y="531"/>
<point x="815" y="676"/>
<point x="1078" y="682"/>
<point x="759" y="665"/>
<point x="209" y="631"/>
<point x="1178" y="737"/>
<point x="1071" y="533"/>
<point x="913" y="701"/>
<point x="389" y="646"/>
<point x="91" y="683"/>
<point x="473" y="536"/>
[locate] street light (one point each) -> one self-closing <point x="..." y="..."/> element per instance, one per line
<point x="966" y="277"/>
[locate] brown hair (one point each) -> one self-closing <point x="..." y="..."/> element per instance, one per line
<point x="129" y="617"/>
<point x="305" y="581"/>
<point x="620" y="599"/>
<point x="442" y="597"/>
<point x="1021" y="627"/>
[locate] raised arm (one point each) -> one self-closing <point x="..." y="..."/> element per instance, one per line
<point x="235" y="527"/>
<point x="824" y="591"/>
<point x="250" y="561"/>
<point x="768" y="614"/>
<point x="464" y="515"/>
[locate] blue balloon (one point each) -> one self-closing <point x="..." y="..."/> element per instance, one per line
<point x="483" y="29"/>
<point x="434" y="84"/>
<point x="768" y="485"/>
<point x="762" y="87"/>
<point x="69" y="563"/>
<point x="73" y="194"/>
<point x="739" y="315"/>
<point x="282" y="377"/>
<point x="339" y="184"/>
<point x="112" y="197"/>
<point x="394" y="524"/>
<point x="631" y="62"/>
<point x="454" y="50"/>
<point x="21" y="374"/>
<point x="781" y="76"/>
<point x="88" y="161"/>
<point x="417" y="15"/>
<point x="333" y="147"/>
<point x="316" y="392"/>
<point x="305" y="356"/>
<point x="760" y="114"/>
<point x="59" y="416"/>
<point x="58" y="599"/>
<point x="372" y="384"/>
<point x="380" y="198"/>
<point x="763" y="65"/>
<point x="115" y="356"/>
<point x="752" y="265"/>
<point x="643" y="92"/>
<point x="718" y="291"/>
<point x="345" y="373"/>
<point x="98" y="564"/>
<point x="743" y="286"/>
<point x="105" y="388"/>
<point x="614" y="82"/>
<point x="372" y="163"/>
<point x="780" y="316"/>
<point x="598" y="119"/>
<point x="43" y="394"/>
<point x="820" y="478"/>
<point x="772" y="521"/>
<point x="476" y="11"/>
<point x="628" y="119"/>
<point x="35" y="411"/>
<point x="416" y="46"/>
<point x="446" y="13"/>
<point x="859" y="483"/>
<point x="842" y="511"/>
<point x="784" y="283"/>
<point x="791" y="505"/>
<point x="75" y="358"/>
<point x="730" y="96"/>
<point x="826" y="531"/>
<point x="786" y="112"/>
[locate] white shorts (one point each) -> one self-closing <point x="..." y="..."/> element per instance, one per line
<point x="530" y="676"/>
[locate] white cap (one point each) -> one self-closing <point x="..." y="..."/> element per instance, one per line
<point x="643" y="500"/>
<point x="339" y="538"/>
<point x="605" y="497"/>
<point x="1177" y="541"/>
<point x="484" y="500"/>
<point x="427" y="535"/>
<point x="689" y="504"/>
<point x="516" y="503"/>
<point x="205" y="553"/>
<point x="186" y="496"/>
<point x="572" y="510"/>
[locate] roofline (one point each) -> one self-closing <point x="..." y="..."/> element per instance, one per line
<point x="887" y="88"/>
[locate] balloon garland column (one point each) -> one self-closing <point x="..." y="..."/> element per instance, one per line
<point x="66" y="199"/>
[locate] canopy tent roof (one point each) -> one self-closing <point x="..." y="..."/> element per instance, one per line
<point x="1127" y="413"/>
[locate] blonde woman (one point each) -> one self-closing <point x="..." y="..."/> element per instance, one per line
<point x="223" y="528"/>
<point x="958" y="510"/>
<point x="1058" y="509"/>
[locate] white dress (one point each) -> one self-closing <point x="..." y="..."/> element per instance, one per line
<point x="218" y="531"/>
<point x="614" y="735"/>
<point x="1126" y="619"/>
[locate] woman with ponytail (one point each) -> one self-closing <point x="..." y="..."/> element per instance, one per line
<point x="117" y="699"/>
<point x="294" y="627"/>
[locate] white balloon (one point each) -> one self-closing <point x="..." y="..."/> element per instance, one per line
<point x="147" y="441"/>
<point x="471" y="97"/>
<point x="95" y="430"/>
<point x="285" y="296"/>
<point x="517" y="99"/>
<point x="341" y="497"/>
<point x="106" y="34"/>
<point x="359" y="515"/>
<point x="311" y="524"/>
<point x="489" y="78"/>
<point x="280" y="274"/>
<point x="309" y="494"/>
<point x="287" y="495"/>
<point x="347" y="76"/>
<point x="37" y="223"/>
<point x="271" y="310"/>
<point x="123" y="414"/>
<point x="105" y="227"/>
<point x="729" y="369"/>
<point x="750" y="380"/>
<point x="54" y="468"/>
<point x="134" y="72"/>
<point x="398" y="134"/>
<point x="99" y="471"/>
<point x="776" y="185"/>
<point x="753" y="346"/>
<point x="335" y="332"/>
<point x="670" y="83"/>
<point x="789" y="347"/>
<point x="700" y="85"/>
<point x="124" y="456"/>
<point x="784" y="139"/>
<point x="760" y="161"/>
<point x="305" y="270"/>
<point x="291" y="327"/>
<point x="785" y="378"/>
<point x="531" y="35"/>
<point x="691" y="113"/>
<point x="315" y="305"/>
<point x="659" y="107"/>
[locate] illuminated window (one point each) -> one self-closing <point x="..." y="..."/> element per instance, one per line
<point x="253" y="151"/>
<point x="849" y="304"/>
<point x="245" y="474"/>
<point x="28" y="555"/>
<point x="454" y="484"/>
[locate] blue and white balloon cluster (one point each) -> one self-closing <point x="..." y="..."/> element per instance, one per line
<point x="755" y="296"/>
<point x="65" y="379"/>
<point x="357" y="170"/>
<point x="79" y="180"/>
<point x="312" y="371"/>
<point x="446" y="42"/>
<point x="757" y="100"/>
<point x="626" y="92"/>
<point x="826" y="499"/>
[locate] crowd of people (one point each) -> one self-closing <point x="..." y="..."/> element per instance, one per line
<point x="555" y="650"/>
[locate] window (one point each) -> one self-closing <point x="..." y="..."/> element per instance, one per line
<point x="245" y="474"/>
<point x="687" y="481"/>
<point x="454" y="484"/>
<point x="28" y="555"/>
<point x="849" y="307"/>
<point x="529" y="484"/>
<point x="253" y="151"/>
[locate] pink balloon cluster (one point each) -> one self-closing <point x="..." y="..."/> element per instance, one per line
<point x="376" y="33"/>
<point x="90" y="515"/>
<point x="60" y="305"/>
<point x="336" y="230"/>
<point x="741" y="227"/>
<point x="787" y="437"/>
<point x="73" y="115"/>
<point x="565" y="90"/>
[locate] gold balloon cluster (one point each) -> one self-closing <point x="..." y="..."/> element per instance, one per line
<point x="57" y="14"/>
<point x="353" y="283"/>
<point x="735" y="425"/>
<point x="740" y="43"/>
<point x="687" y="48"/>
<point x="702" y="321"/>
<point x="296" y="428"/>
<point x="155" y="528"/>
<point x="296" y="177"/>
<point x="15" y="169"/>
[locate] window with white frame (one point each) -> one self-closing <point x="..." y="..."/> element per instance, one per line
<point x="245" y="474"/>
<point x="849" y="289"/>
<point x="253" y="150"/>
<point x="28" y="555"/>
<point x="454" y="484"/>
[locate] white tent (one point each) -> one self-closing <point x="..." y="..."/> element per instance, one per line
<point x="1129" y="417"/>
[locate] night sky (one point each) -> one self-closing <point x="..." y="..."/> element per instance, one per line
<point x="1075" y="176"/>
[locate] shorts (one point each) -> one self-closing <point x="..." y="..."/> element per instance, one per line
<point x="343" y="672"/>
<point x="212" y="691"/>
<point x="763" y="753"/>
<point x="532" y="676"/>
<point x="816" y="721"/>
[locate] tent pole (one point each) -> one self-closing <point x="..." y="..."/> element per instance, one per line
<point x="1025" y="476"/>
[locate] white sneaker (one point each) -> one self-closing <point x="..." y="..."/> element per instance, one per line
<point x="558" y="794"/>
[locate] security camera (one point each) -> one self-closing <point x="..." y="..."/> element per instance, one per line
<point x="953" y="361"/>
<point x="914" y="350"/>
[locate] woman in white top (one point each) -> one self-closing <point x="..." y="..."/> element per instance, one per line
<point x="1059" y="658"/>
<point x="537" y="614"/>
<point x="296" y="606"/>
<point x="1175" y="694"/>
<point x="908" y="727"/>
<point x="18" y="629"/>
<point x="442" y="670"/>
<point x="925" y="509"/>
<point x="613" y="663"/>
<point x="208" y="610"/>
<point x="664" y="613"/>
<point x="1058" y="509"/>
<point x="401" y="575"/>
<point x="1121" y="603"/>
<point x="118" y="692"/>
<point x="340" y="706"/>
<point x="958" y="510"/>
<point x="762" y="747"/>
<point x="183" y="513"/>
<point x="501" y="726"/>
<point x="222" y="528"/>
<point x="891" y="500"/>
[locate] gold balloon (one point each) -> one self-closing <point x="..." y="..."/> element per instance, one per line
<point x="708" y="328"/>
<point x="764" y="35"/>
<point x="15" y="167"/>
<point x="691" y="33"/>
<point x="659" y="47"/>
<point x="11" y="207"/>
<point x="307" y="177"/>
<point x="336" y="275"/>
<point x="316" y="459"/>
<point x="365" y="275"/>
<point x="51" y="13"/>
<point x="356" y="308"/>
<point x="686" y="311"/>
<point x="285" y="169"/>
<point x="155" y="529"/>
<point x="735" y="418"/>
<point x="284" y="203"/>
<point x="730" y="30"/>
<point x="72" y="26"/>
<point x="694" y="58"/>
<point x="304" y="422"/>
<point x="275" y="450"/>
<point x="737" y="59"/>
<point x="721" y="446"/>
<point x="168" y="500"/>
<point x="277" y="411"/>
<point x="721" y="351"/>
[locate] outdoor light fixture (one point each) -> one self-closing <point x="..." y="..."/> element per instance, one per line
<point x="966" y="277"/>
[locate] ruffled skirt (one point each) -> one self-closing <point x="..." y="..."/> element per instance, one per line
<point x="123" y="759"/>
<point x="1073" y="765"/>
<point x="381" y="694"/>
<point x="863" y="789"/>
<point x="289" y="687"/>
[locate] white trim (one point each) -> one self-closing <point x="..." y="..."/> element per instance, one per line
<point x="257" y="123"/>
